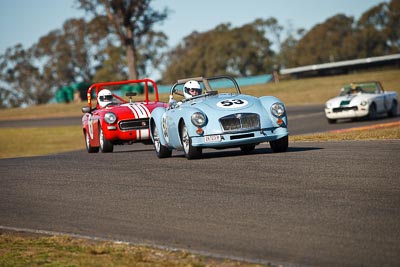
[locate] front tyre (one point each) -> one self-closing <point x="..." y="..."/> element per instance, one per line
<point x="331" y="121"/>
<point x="393" y="110"/>
<point x="105" y="145"/>
<point x="191" y="152"/>
<point x="161" y="150"/>
<point x="372" y="114"/>
<point x="89" y="148"/>
<point x="246" y="149"/>
<point x="280" y="145"/>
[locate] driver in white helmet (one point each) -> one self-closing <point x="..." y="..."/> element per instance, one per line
<point x="104" y="98"/>
<point x="191" y="88"/>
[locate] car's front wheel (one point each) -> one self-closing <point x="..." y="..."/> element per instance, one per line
<point x="89" y="148"/>
<point x="331" y="121"/>
<point x="191" y="152"/>
<point x="247" y="148"/>
<point x="161" y="150"/>
<point x="280" y="145"/>
<point x="105" y="145"/>
<point x="393" y="110"/>
<point x="372" y="114"/>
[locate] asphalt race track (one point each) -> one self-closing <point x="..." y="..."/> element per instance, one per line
<point x="319" y="204"/>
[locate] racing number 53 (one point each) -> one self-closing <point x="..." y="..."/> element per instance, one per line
<point x="229" y="102"/>
<point x="232" y="103"/>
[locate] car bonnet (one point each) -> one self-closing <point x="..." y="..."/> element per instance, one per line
<point x="131" y="110"/>
<point x="344" y="100"/>
<point x="225" y="103"/>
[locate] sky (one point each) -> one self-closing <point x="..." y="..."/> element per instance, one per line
<point x="25" y="21"/>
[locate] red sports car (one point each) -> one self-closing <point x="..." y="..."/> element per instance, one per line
<point x="116" y="121"/>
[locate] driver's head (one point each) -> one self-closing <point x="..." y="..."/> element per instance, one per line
<point x="191" y="88"/>
<point x="104" y="98"/>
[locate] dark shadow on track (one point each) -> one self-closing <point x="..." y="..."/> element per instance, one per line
<point x="208" y="154"/>
<point x="366" y="119"/>
<point x="133" y="151"/>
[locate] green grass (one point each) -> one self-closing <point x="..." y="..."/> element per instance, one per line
<point x="22" y="142"/>
<point x="28" y="250"/>
<point x="355" y="134"/>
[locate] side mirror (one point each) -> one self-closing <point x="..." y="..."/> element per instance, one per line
<point x="86" y="110"/>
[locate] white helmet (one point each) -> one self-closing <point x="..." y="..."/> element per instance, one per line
<point x="191" y="88"/>
<point x="104" y="98"/>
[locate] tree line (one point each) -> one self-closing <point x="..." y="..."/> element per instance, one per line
<point x="119" y="42"/>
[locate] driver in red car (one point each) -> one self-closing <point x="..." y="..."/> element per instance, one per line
<point x="104" y="98"/>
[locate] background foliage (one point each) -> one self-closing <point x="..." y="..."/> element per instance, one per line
<point x="117" y="41"/>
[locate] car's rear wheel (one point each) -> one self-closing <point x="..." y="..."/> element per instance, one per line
<point x="105" y="145"/>
<point x="247" y="148"/>
<point x="191" y="152"/>
<point x="89" y="148"/>
<point x="280" y="145"/>
<point x="161" y="150"/>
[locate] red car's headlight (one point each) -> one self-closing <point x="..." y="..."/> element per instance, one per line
<point x="110" y="117"/>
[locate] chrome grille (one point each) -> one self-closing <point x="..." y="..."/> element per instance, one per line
<point x="344" y="109"/>
<point x="240" y="121"/>
<point x="137" y="124"/>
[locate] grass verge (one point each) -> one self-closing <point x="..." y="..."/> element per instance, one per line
<point x="378" y="133"/>
<point x="23" y="142"/>
<point x="31" y="250"/>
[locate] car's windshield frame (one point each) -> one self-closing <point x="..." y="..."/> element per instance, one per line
<point x="208" y="85"/>
<point x="364" y="87"/>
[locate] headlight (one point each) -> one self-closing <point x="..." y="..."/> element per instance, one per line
<point x="278" y="110"/>
<point x="198" y="119"/>
<point x="110" y="117"/>
<point x="328" y="104"/>
<point x="364" y="103"/>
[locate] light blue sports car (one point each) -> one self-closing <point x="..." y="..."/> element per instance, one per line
<point x="213" y="113"/>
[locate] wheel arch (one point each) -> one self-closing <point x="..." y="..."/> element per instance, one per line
<point x="180" y="125"/>
<point x="154" y="125"/>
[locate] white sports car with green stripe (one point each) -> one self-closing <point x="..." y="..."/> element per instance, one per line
<point x="361" y="99"/>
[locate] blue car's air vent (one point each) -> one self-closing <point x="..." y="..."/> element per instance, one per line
<point x="240" y="122"/>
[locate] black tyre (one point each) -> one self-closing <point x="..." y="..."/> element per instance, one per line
<point x="105" y="145"/>
<point x="161" y="150"/>
<point x="280" y="145"/>
<point x="393" y="110"/>
<point x="89" y="148"/>
<point x="190" y="151"/>
<point x="331" y="121"/>
<point x="372" y="114"/>
<point x="247" y="148"/>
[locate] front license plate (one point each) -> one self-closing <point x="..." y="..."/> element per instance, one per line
<point x="212" y="138"/>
